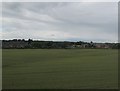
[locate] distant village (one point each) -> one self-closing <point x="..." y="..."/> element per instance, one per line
<point x="37" y="44"/>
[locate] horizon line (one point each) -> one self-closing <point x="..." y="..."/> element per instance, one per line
<point x="59" y="40"/>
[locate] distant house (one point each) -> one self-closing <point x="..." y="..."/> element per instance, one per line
<point x="101" y="45"/>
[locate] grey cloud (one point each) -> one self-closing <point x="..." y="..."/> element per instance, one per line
<point x="68" y="21"/>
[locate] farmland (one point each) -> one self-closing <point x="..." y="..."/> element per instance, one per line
<point x="60" y="68"/>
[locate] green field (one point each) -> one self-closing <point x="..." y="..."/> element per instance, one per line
<point x="60" y="68"/>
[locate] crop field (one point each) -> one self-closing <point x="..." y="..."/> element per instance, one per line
<point x="60" y="69"/>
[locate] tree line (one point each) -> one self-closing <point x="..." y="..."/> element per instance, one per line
<point x="37" y="44"/>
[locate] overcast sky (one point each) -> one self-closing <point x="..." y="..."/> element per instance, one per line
<point x="88" y="21"/>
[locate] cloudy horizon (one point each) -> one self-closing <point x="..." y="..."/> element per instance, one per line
<point x="57" y="21"/>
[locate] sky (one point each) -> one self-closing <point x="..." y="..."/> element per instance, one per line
<point x="60" y="21"/>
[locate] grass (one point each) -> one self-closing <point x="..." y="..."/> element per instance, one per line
<point x="60" y="69"/>
<point x="0" y="69"/>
